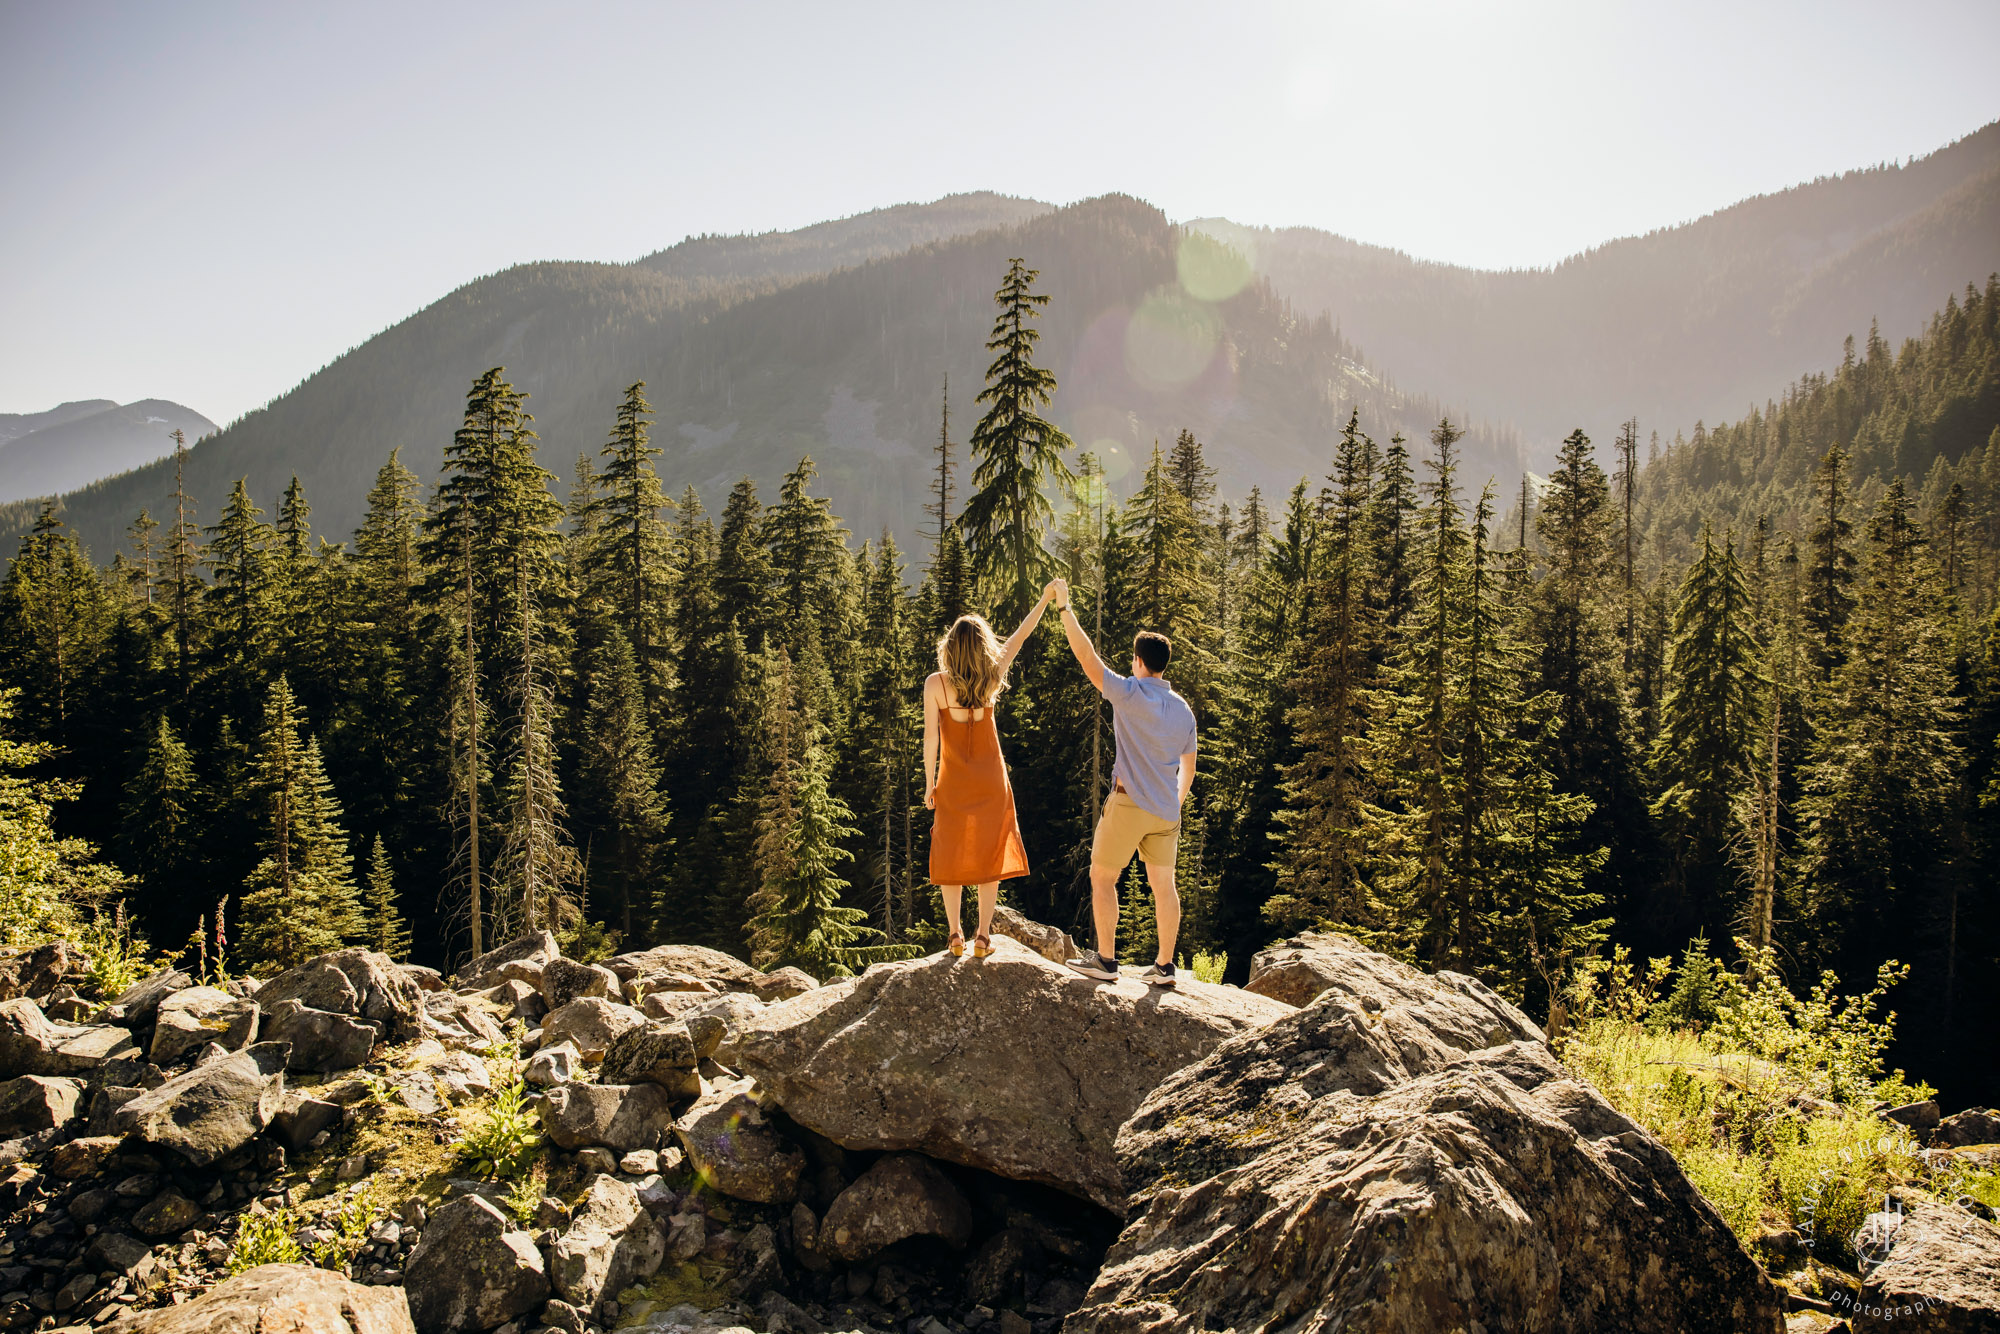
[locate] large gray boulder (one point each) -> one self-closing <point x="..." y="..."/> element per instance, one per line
<point x="591" y="1024"/>
<point x="1049" y="942"/>
<point x="281" y="1299"/>
<point x="722" y="972"/>
<point x="734" y="1147"/>
<point x="903" y="1195"/>
<point x="31" y="1044"/>
<point x="322" y="1040"/>
<point x="39" y="971"/>
<point x="1347" y="1168"/>
<point x="37" y="1102"/>
<point x="189" y="1020"/>
<point x="1942" y="1272"/>
<point x="363" y="984"/>
<point x="473" y="1270"/>
<point x="1010" y="1064"/>
<point x="460" y="1022"/>
<point x="659" y="1053"/>
<point x="211" y="1110"/>
<point x="565" y="980"/>
<point x="536" y="947"/>
<point x="612" y="1243"/>
<point x="135" y="1006"/>
<point x="619" y="1117"/>
<point x="1458" y="1010"/>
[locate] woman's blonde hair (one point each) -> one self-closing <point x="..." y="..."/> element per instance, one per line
<point x="969" y="657"/>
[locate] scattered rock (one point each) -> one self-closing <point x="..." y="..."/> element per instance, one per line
<point x="1974" y="1125"/>
<point x="781" y="1316"/>
<point x="1462" y="1012"/>
<point x="116" y="1252"/>
<point x="611" y="1244"/>
<point x="902" y="1195"/>
<point x="135" y="1006"/>
<point x="619" y="1117"/>
<point x="1942" y="1273"/>
<point x="667" y="1004"/>
<point x="1353" y="1169"/>
<point x="722" y="971"/>
<point x="757" y="1265"/>
<point x="658" y="1053"/>
<point x="591" y="1025"/>
<point x="537" y="948"/>
<point x="514" y="999"/>
<point x="213" y="1109"/>
<point x="322" y="1040"/>
<point x="565" y="980"/>
<point x="459" y="1074"/>
<point x="31" y="1045"/>
<point x="281" y="1299"/>
<point x="737" y="1011"/>
<point x="189" y="1020"/>
<point x="1047" y="941"/>
<point x="361" y="983"/>
<point x="83" y="1158"/>
<point x="553" y="1065"/>
<point x="167" y="1214"/>
<point x="737" y="1151"/>
<point x="1918" y="1116"/>
<point x="37" y="1102"/>
<point x="459" y="1022"/>
<point x="473" y="1270"/>
<point x="996" y="1273"/>
<point x="783" y="984"/>
<point x="640" y="1162"/>
<point x="931" y="1055"/>
<point x="44" y="969"/>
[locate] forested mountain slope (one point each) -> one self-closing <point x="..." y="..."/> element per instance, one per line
<point x="1694" y="321"/>
<point x="847" y="367"/>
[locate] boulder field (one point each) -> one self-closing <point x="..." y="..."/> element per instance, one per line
<point x="937" y="1146"/>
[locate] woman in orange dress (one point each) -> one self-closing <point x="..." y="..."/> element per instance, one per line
<point x="974" y="839"/>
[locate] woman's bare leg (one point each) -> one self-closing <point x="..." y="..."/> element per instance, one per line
<point x="952" y="894"/>
<point x="989" y="898"/>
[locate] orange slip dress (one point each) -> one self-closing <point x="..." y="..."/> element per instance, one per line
<point x="974" y="839"/>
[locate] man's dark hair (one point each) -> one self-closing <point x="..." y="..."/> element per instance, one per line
<point x="1152" y="648"/>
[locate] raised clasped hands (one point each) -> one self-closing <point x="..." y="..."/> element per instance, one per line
<point x="1057" y="591"/>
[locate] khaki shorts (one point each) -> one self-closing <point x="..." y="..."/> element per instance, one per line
<point x="1127" y="827"/>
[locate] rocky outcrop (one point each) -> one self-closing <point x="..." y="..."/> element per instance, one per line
<point x="213" y="1109"/>
<point x="39" y="971"/>
<point x="362" y="984"/>
<point x="903" y="1195"/>
<point x="322" y="1040"/>
<point x="611" y="1244"/>
<point x="1047" y="941"/>
<point x="1462" y="1012"/>
<point x="1941" y="1272"/>
<point x="1010" y="1064"/>
<point x="1974" y="1125"/>
<point x="713" y="968"/>
<point x="1356" y="1167"/>
<point x="473" y="1270"/>
<point x="536" y="948"/>
<point x="619" y="1117"/>
<point x="782" y="984"/>
<point x="135" y="1007"/>
<point x="659" y="1053"/>
<point x="564" y="980"/>
<point x="282" y="1299"/>
<point x="732" y="1144"/>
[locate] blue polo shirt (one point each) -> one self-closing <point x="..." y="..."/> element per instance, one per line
<point x="1154" y="727"/>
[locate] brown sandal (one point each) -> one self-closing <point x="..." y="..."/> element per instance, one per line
<point x="955" y="945"/>
<point x="982" y="945"/>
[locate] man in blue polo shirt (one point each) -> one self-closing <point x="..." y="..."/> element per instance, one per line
<point x="1154" y="728"/>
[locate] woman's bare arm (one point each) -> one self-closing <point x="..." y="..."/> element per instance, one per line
<point x="1012" y="647"/>
<point x="933" y="693"/>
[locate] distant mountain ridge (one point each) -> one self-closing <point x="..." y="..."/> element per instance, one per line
<point x="69" y="446"/>
<point x="1695" y="321"/>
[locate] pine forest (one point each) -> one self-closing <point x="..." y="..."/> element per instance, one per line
<point x="1731" y="689"/>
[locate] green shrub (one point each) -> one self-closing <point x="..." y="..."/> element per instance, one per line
<point x="265" y="1238"/>
<point x="1209" y="967"/>
<point x="506" y="1138"/>
<point x="524" y="1197"/>
<point x="349" y="1223"/>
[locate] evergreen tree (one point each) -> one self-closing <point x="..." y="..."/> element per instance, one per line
<point x="55" y="626"/>
<point x="1020" y="453"/>
<point x="1392" y="526"/>
<point x="1319" y="873"/>
<point x="1169" y="588"/>
<point x="183" y="559"/>
<point x="808" y="560"/>
<point x="796" y="915"/>
<point x="1831" y="571"/>
<point x="743" y="573"/>
<point x="633" y="554"/>
<point x="238" y="553"/>
<point x="624" y="779"/>
<point x="159" y="820"/>
<point x="883" y="741"/>
<point x="387" y="932"/>
<point x="299" y="901"/>
<point x="1708" y="726"/>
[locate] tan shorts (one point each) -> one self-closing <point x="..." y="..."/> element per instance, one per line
<point x="1127" y="827"/>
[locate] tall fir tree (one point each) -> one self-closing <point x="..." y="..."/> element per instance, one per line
<point x="299" y="901"/>
<point x="623" y="777"/>
<point x="1020" y="453"/>
<point x="387" y="932"/>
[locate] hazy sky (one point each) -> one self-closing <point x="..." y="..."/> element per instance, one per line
<point x="207" y="202"/>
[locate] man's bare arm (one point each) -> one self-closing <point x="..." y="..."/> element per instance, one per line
<point x="1187" y="776"/>
<point x="1079" y="642"/>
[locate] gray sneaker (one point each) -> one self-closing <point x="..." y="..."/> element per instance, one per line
<point x="1095" y="965"/>
<point x="1159" y="975"/>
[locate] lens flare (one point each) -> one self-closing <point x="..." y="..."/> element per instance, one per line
<point x="1171" y="340"/>
<point x="1216" y="260"/>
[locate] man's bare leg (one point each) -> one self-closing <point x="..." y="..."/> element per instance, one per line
<point x="1104" y="909"/>
<point x="1166" y="909"/>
